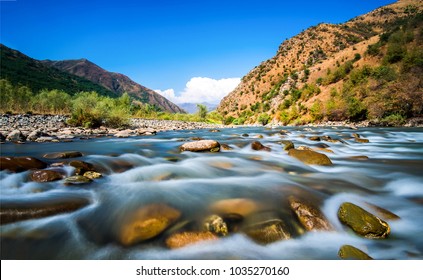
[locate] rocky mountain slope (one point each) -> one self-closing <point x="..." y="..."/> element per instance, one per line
<point x="115" y="82"/>
<point x="338" y="72"/>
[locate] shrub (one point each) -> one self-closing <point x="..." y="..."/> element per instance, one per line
<point x="264" y="119"/>
<point x="393" y="120"/>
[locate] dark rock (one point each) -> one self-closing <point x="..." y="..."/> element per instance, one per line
<point x="14" y="212"/>
<point x="245" y="135"/>
<point x="2" y="138"/>
<point x="310" y="157"/>
<point x="77" y="180"/>
<point x="265" y="228"/>
<point x="356" y="135"/>
<point x="362" y="222"/>
<point x="257" y="146"/>
<point x="214" y="130"/>
<point x="145" y="223"/>
<point x="42" y="176"/>
<point x="288" y="145"/>
<point x="69" y="154"/>
<point x="183" y="239"/>
<point x="309" y="216"/>
<point x="81" y="166"/>
<point x="15" y="136"/>
<point x="216" y="225"/>
<point x="359" y="157"/>
<point x="326" y="138"/>
<point x="348" y="252"/>
<point x="314" y="138"/>
<point x="19" y="164"/>
<point x="225" y="147"/>
<point x="201" y="146"/>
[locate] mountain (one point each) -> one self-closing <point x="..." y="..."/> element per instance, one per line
<point x="18" y="68"/>
<point x="370" y="67"/>
<point x="114" y="82"/>
<point x="73" y="76"/>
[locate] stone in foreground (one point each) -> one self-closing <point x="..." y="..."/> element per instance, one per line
<point x="77" y="180"/>
<point x="215" y="224"/>
<point x="265" y="228"/>
<point x="201" y="146"/>
<point x="42" y="176"/>
<point x="19" y="164"/>
<point x="363" y="222"/>
<point x="348" y="252"/>
<point x="310" y="217"/>
<point x="257" y="146"/>
<point x="310" y="157"/>
<point x="147" y="222"/>
<point x="183" y="239"/>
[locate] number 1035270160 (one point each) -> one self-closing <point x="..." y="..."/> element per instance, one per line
<point x="259" y="270"/>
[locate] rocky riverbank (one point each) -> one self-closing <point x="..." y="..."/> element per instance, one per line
<point x="53" y="128"/>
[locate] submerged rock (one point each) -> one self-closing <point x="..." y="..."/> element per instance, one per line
<point x="201" y="146"/>
<point x="238" y="206"/>
<point x="363" y="222"/>
<point x="265" y="228"/>
<point x="146" y="222"/>
<point x="309" y="216"/>
<point x="59" y="155"/>
<point x="314" y="138"/>
<point x="348" y="252"/>
<point x="225" y="147"/>
<point x="183" y="239"/>
<point x="257" y="146"/>
<point x="42" y="176"/>
<point x="362" y="140"/>
<point x="81" y="167"/>
<point x="215" y="224"/>
<point x="310" y="157"/>
<point x="77" y="180"/>
<point x="19" y="164"/>
<point x="288" y="145"/>
<point x="10" y="213"/>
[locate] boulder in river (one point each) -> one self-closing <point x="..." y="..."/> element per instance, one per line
<point x="310" y="217"/>
<point x="257" y="146"/>
<point x="19" y="164"/>
<point x="60" y="155"/>
<point x="183" y="239"/>
<point x="310" y="157"/>
<point x="216" y="225"/>
<point x="14" y="212"/>
<point x="81" y="166"/>
<point x="15" y="136"/>
<point x="363" y="222"/>
<point x="42" y="176"/>
<point x="265" y="228"/>
<point x="348" y="252"/>
<point x="201" y="146"/>
<point x="146" y="222"/>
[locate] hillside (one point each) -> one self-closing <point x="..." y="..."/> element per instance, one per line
<point x="115" y="82"/>
<point x="18" y="68"/>
<point x="367" y="68"/>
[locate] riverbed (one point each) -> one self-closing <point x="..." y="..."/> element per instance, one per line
<point x="386" y="171"/>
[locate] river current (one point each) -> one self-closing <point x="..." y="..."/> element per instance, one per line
<point x="151" y="169"/>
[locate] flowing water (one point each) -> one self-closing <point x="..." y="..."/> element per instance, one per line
<point x="150" y="169"/>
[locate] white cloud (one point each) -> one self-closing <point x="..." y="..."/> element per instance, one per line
<point x="202" y="89"/>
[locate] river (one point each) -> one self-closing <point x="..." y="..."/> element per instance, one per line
<point x="151" y="169"/>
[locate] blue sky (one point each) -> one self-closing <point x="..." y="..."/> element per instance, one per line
<point x="164" y="44"/>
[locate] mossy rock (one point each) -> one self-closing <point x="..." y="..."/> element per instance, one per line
<point x="77" y="180"/>
<point x="288" y="145"/>
<point x="363" y="222"/>
<point x="310" y="157"/>
<point x="348" y="252"/>
<point x="215" y="224"/>
<point x="265" y="228"/>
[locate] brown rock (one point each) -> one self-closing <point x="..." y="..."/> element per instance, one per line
<point x="81" y="166"/>
<point x="216" y="225"/>
<point x="257" y="146"/>
<point x="45" y="176"/>
<point x="265" y="228"/>
<point x="76" y="180"/>
<point x="362" y="140"/>
<point x="69" y="154"/>
<point x="348" y="252"/>
<point x="183" y="239"/>
<point x="288" y="145"/>
<point x="314" y="138"/>
<point x="19" y="164"/>
<point x="92" y="175"/>
<point x="146" y="222"/>
<point x="201" y="146"/>
<point x="238" y="206"/>
<point x="310" y="157"/>
<point x="309" y="216"/>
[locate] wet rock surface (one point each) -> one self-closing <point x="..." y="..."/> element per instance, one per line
<point x="19" y="164"/>
<point x="348" y="252"/>
<point x="257" y="146"/>
<point x="179" y="240"/>
<point x="201" y="146"/>
<point x="42" y="176"/>
<point x="310" y="157"/>
<point x="310" y="217"/>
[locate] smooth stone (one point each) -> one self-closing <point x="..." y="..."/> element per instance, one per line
<point x="314" y="138"/>
<point x="59" y="155"/>
<point x="356" y="135"/>
<point x="77" y="180"/>
<point x="310" y="157"/>
<point x="92" y="175"/>
<point x="145" y="223"/>
<point x="265" y="228"/>
<point x="179" y="240"/>
<point x="34" y="135"/>
<point x="348" y="252"/>
<point x="238" y="206"/>
<point x="39" y="209"/>
<point x="310" y="217"/>
<point x="19" y="164"/>
<point x="288" y="145"/>
<point x="42" y="176"/>
<point x="216" y="225"/>
<point x="363" y="222"/>
<point x="201" y="146"/>
<point x="15" y="136"/>
<point x="257" y="146"/>
<point x="362" y="140"/>
<point x="81" y="166"/>
<point x="214" y="130"/>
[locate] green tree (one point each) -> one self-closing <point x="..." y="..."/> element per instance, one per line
<point x="202" y="112"/>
